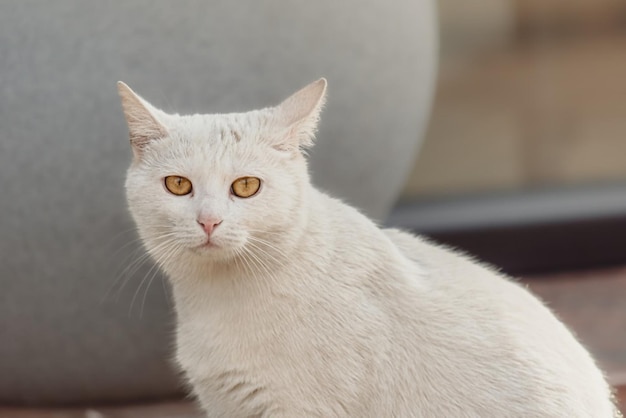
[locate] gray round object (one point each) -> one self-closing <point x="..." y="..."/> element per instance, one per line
<point x="69" y="332"/>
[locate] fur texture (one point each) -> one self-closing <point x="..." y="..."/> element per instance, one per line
<point x="301" y="306"/>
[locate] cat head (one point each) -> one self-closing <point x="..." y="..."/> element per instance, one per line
<point x="215" y="187"/>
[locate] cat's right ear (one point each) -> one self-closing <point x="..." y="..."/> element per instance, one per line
<point x="143" y="123"/>
<point x="299" y="114"/>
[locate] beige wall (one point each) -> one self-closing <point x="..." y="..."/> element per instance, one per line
<point x="526" y="100"/>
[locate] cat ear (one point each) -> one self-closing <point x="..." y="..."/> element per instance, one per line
<point x="141" y="117"/>
<point x="299" y="114"/>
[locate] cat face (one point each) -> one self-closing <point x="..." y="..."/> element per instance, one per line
<point x="217" y="186"/>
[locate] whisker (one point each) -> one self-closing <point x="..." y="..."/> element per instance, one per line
<point x="236" y="257"/>
<point x="255" y="279"/>
<point x="171" y="255"/>
<point x="141" y="259"/>
<point x="252" y="241"/>
<point x="259" y="262"/>
<point x="128" y="272"/>
<point x="111" y="241"/>
<point x="261" y="231"/>
<point x="166" y="292"/>
<point x="265" y="242"/>
<point x="132" y="302"/>
<point x="131" y="242"/>
<point x="163" y="255"/>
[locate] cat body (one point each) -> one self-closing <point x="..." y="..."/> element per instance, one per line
<point x="293" y="304"/>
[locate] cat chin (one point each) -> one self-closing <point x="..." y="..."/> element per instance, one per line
<point x="212" y="250"/>
<point x="207" y="248"/>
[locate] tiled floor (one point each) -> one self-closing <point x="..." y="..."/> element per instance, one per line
<point x="591" y="303"/>
<point x="156" y="410"/>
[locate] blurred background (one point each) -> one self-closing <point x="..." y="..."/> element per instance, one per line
<point x="530" y="94"/>
<point x="521" y="160"/>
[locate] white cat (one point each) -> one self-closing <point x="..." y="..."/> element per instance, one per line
<point x="293" y="304"/>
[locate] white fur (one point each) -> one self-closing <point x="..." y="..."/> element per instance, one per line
<point x="307" y="308"/>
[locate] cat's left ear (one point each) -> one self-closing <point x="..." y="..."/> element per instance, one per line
<point x="144" y="120"/>
<point x="299" y="114"/>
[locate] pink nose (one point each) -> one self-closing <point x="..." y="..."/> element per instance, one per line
<point x="209" y="224"/>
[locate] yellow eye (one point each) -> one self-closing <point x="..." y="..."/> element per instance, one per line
<point x="178" y="185"/>
<point x="246" y="186"/>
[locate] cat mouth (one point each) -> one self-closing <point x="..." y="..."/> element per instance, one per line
<point x="207" y="245"/>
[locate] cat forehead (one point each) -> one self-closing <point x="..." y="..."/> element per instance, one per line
<point x="205" y="156"/>
<point x="221" y="128"/>
<point x="215" y="141"/>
